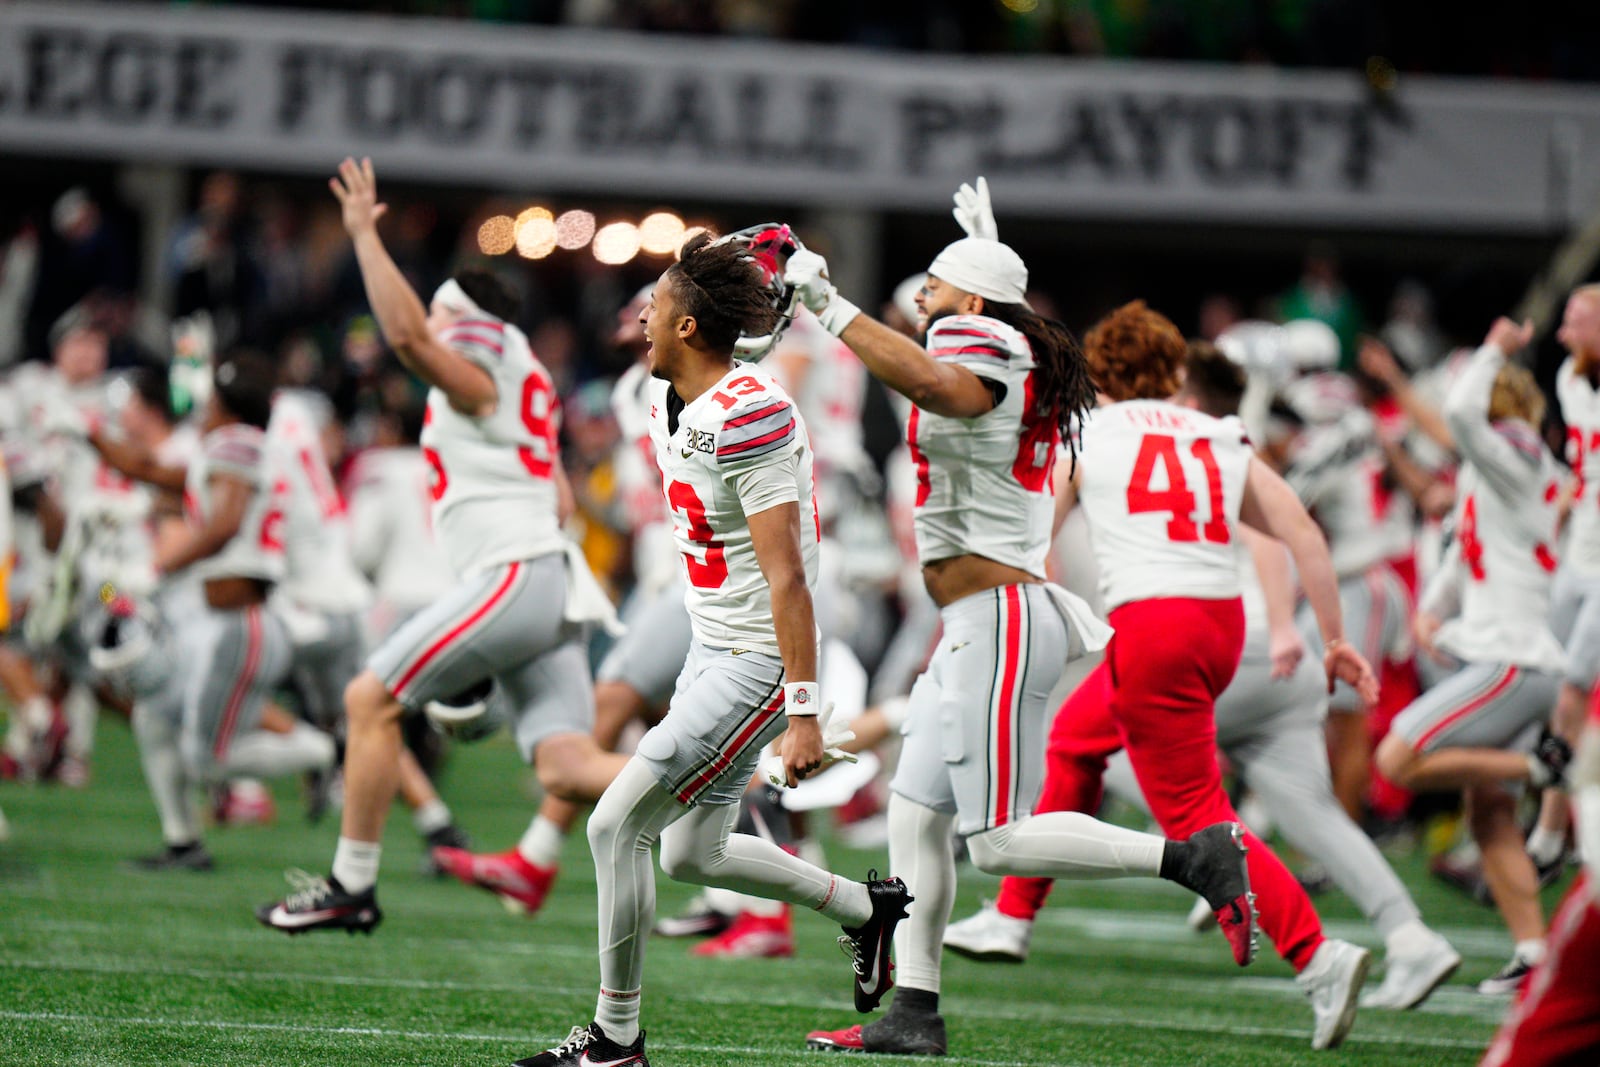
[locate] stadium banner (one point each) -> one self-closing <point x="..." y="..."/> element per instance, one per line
<point x="541" y="110"/>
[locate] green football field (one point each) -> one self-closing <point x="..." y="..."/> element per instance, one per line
<point x="101" y="965"/>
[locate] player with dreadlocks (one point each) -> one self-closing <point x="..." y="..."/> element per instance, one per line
<point x="994" y="391"/>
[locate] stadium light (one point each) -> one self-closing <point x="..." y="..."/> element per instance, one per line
<point x="536" y="233"/>
<point x="660" y="233"/>
<point x="497" y="235"/>
<point x="574" y="229"/>
<point x="616" y="243"/>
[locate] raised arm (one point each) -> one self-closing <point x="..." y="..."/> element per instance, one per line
<point x="400" y="314"/>
<point x="1376" y="359"/>
<point x="132" y="461"/>
<point x="889" y="355"/>
<point x="1504" y="467"/>
<point x="1272" y="508"/>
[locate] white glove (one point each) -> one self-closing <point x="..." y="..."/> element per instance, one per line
<point x="772" y="770"/>
<point x="973" y="211"/>
<point x="808" y="273"/>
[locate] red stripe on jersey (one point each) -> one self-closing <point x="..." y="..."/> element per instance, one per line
<point x="965" y="331"/>
<point x="462" y="337"/>
<point x="756" y="442"/>
<point x="919" y="458"/>
<point x="725" y="758"/>
<point x="755" y="416"/>
<point x="1006" y="707"/>
<point x="444" y="642"/>
<point x="1477" y="704"/>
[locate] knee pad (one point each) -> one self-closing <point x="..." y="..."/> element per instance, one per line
<point x="988" y="850"/>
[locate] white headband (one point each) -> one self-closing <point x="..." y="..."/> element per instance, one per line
<point x="452" y="296"/>
<point x="983" y="267"/>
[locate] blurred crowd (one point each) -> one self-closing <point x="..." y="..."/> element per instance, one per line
<point x="1552" y="40"/>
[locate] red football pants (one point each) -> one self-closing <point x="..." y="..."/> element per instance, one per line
<point x="1556" y="1021"/>
<point x="1155" y="695"/>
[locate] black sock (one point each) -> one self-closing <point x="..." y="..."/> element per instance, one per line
<point x="916" y="1001"/>
<point x="1174" y="858"/>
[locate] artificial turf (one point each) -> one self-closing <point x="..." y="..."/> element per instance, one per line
<point x="102" y="965"/>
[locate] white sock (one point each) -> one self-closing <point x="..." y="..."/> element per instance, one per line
<point x="921" y="852"/>
<point x="541" y="844"/>
<point x="83" y="715"/>
<point x="355" y="864"/>
<point x="1546" y="846"/>
<point x="1530" y="951"/>
<point x="762" y="906"/>
<point x="431" y="817"/>
<point x="1410" y="938"/>
<point x="1538" y="774"/>
<point x="724" y="901"/>
<point x="617" y="1012"/>
<point x="264" y="754"/>
<point x="164" y="774"/>
<point x="1066" y="844"/>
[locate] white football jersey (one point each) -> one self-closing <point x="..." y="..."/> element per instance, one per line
<point x="1580" y="409"/>
<point x="738" y="449"/>
<point x="494" y="493"/>
<point x="985" y="486"/>
<point x="1502" y="560"/>
<point x="638" y="484"/>
<point x="1338" y="471"/>
<point x="257" y="550"/>
<point x="320" y="574"/>
<point x="1161" y="486"/>
<point x="391" y="528"/>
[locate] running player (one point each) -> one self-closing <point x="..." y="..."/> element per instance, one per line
<point x="736" y="465"/>
<point x="1269" y="724"/>
<point x="518" y="613"/>
<point x="1494" y="589"/>
<point x="993" y="392"/>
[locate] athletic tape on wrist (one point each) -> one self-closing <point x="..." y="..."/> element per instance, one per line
<point x="802" y="698"/>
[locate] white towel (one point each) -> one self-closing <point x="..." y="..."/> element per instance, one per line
<point x="586" y="600"/>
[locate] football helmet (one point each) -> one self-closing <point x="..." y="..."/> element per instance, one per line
<point x="769" y="245"/>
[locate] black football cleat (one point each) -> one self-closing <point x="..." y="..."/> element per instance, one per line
<point x="447" y="836"/>
<point x="190" y="857"/>
<point x="1215" y="867"/>
<point x="588" y="1046"/>
<point x="898" y="1033"/>
<point x="868" y="945"/>
<point x="321" y="904"/>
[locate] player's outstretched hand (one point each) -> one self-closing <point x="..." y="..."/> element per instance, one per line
<point x="357" y="189"/>
<point x="808" y="273"/>
<point x="801" y="748"/>
<point x="974" y="212"/>
<point x="1344" y="664"/>
<point x="1376" y="359"/>
<point x="1509" y="337"/>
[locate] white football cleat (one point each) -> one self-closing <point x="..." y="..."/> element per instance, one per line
<point x="989" y="936"/>
<point x="1409" y="979"/>
<point x="1333" y="982"/>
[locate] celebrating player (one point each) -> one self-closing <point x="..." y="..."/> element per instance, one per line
<point x="517" y="614"/>
<point x="994" y="391"/>
<point x="736" y="464"/>
<point x="1494" y="590"/>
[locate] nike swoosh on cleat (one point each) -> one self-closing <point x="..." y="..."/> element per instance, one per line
<point x="585" y="1061"/>
<point x="280" y="917"/>
<point x="869" y="981"/>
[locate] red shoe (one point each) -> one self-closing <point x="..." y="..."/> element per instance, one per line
<point x="847" y="1040"/>
<point x="506" y="874"/>
<point x="753" y="937"/>
<point x="245" y="804"/>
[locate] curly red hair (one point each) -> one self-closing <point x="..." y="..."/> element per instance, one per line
<point x="1135" y="353"/>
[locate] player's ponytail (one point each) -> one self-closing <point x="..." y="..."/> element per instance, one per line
<point x="723" y="290"/>
<point x="1065" y="389"/>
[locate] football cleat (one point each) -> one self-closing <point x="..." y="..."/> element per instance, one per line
<point x="1552" y="755"/>
<point x="506" y="874"/>
<point x="1216" y="868"/>
<point x="897" y="1033"/>
<point x="700" y="919"/>
<point x="447" y="836"/>
<point x="190" y="857"/>
<point x="868" y="945"/>
<point x="1508" y="979"/>
<point x="846" y="1040"/>
<point x="1411" y="978"/>
<point x="990" y="936"/>
<point x="588" y="1046"/>
<point x="244" y="802"/>
<point x="1333" y="982"/>
<point x="321" y="904"/>
<point x="752" y="937"/>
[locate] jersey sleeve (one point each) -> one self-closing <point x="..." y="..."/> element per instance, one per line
<point x="757" y="434"/>
<point x="984" y="346"/>
<point x="1505" y="458"/>
<point x="480" y="340"/>
<point x="769" y="484"/>
<point x="237" y="455"/>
